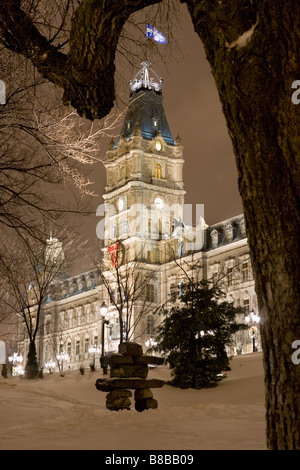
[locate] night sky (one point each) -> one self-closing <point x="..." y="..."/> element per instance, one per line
<point x="193" y="110"/>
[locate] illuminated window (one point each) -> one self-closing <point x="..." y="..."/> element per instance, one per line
<point x="245" y="271"/>
<point x="230" y="276"/>
<point x="150" y="256"/>
<point x="155" y="123"/>
<point x="157" y="171"/>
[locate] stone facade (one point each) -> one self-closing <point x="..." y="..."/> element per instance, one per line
<point x="144" y="212"/>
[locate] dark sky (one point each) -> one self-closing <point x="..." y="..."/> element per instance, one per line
<point x="193" y="110"/>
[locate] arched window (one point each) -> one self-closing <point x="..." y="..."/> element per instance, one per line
<point x="245" y="271"/>
<point x="157" y="171"/>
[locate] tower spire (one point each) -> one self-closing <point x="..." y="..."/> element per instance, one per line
<point x="145" y="106"/>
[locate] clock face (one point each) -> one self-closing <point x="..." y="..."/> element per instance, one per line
<point x="120" y="204"/>
<point x="158" y="145"/>
<point x="159" y="203"/>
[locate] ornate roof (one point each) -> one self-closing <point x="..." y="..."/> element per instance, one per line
<point x="145" y="106"/>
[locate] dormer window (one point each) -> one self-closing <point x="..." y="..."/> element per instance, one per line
<point x="229" y="232"/>
<point x="214" y="238"/>
<point x="155" y="123"/>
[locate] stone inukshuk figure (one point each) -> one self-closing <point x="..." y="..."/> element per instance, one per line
<point x="129" y="370"/>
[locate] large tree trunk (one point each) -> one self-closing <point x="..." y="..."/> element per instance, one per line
<point x="86" y="72"/>
<point x="253" y="49"/>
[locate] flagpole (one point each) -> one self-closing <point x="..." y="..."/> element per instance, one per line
<point x="146" y="45"/>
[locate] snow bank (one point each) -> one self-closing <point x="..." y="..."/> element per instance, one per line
<point x="68" y="413"/>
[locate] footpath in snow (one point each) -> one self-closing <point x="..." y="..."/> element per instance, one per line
<point x="68" y="413"/>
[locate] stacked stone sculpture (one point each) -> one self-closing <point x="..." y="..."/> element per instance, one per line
<point x="128" y="371"/>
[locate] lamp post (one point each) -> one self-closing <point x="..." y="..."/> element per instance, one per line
<point x="93" y="350"/>
<point x="61" y="357"/>
<point x="50" y="366"/>
<point x="253" y="319"/>
<point x="103" y="310"/>
<point x="16" y="360"/>
<point x="151" y="342"/>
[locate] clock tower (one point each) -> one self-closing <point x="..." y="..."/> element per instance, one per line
<point x="144" y="193"/>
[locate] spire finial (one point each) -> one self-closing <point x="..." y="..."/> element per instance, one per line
<point x="144" y="80"/>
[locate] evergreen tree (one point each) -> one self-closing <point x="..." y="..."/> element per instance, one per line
<point x="194" y="333"/>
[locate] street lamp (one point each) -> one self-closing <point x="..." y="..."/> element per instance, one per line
<point x="50" y="366"/>
<point x="151" y="342"/>
<point x="253" y="319"/>
<point x="16" y="360"/>
<point x="93" y="350"/>
<point x="103" y="310"/>
<point x="62" y="357"/>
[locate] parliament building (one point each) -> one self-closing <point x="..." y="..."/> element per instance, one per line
<point x="151" y="248"/>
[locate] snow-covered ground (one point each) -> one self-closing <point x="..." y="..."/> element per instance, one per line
<point x="69" y="413"/>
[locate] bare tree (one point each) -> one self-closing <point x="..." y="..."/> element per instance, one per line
<point x="46" y="154"/>
<point x="29" y="270"/>
<point x="132" y="288"/>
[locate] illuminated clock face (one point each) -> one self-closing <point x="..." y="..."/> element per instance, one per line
<point x="120" y="204"/>
<point x="159" y="203"/>
<point x="158" y="145"/>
